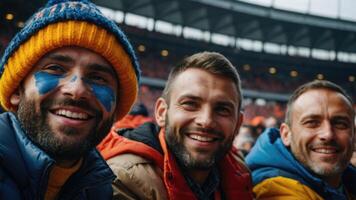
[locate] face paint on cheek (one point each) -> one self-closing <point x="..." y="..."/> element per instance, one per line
<point x="73" y="79"/>
<point x="104" y="93"/>
<point x="46" y="82"/>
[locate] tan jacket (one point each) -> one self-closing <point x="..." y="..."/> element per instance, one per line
<point x="145" y="173"/>
<point x="137" y="178"/>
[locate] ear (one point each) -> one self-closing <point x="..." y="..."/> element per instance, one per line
<point x="161" y="109"/>
<point x="286" y="134"/>
<point x="15" y="98"/>
<point x="239" y="123"/>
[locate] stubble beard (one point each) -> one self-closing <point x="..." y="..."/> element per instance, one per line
<point x="175" y="143"/>
<point x="320" y="170"/>
<point x="37" y="128"/>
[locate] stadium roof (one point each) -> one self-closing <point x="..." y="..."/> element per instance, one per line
<point x="244" y="20"/>
<point x="236" y="23"/>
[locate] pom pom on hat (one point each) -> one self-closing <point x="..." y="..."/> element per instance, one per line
<point x="70" y="23"/>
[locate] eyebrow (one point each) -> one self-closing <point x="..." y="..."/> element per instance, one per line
<point x="227" y="103"/>
<point x="61" y="58"/>
<point x="221" y="103"/>
<point x="349" y="119"/>
<point x="190" y="96"/>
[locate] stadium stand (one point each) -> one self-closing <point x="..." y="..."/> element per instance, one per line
<point x="267" y="78"/>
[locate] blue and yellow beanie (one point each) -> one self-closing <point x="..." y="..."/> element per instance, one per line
<point x="70" y="23"/>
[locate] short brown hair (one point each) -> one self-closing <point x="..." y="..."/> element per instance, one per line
<point x="212" y="62"/>
<point x="316" y="84"/>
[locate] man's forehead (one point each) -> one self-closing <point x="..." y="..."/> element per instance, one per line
<point x="202" y="88"/>
<point x="195" y="78"/>
<point x="319" y="100"/>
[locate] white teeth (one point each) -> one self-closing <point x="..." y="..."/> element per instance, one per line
<point x="70" y="114"/>
<point x="201" y="138"/>
<point x="325" y="151"/>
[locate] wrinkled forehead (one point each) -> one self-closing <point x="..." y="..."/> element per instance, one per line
<point x="203" y="83"/>
<point x="323" y="100"/>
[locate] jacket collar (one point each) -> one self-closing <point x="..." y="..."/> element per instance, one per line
<point x="235" y="181"/>
<point x="25" y="162"/>
<point x="270" y="158"/>
<point x="28" y="165"/>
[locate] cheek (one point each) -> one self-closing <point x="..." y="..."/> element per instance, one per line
<point x="229" y="127"/>
<point x="300" y="141"/>
<point x="176" y="121"/>
<point x="105" y="95"/>
<point x="346" y="140"/>
<point x="46" y="82"/>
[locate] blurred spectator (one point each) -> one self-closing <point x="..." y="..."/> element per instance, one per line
<point x="270" y="108"/>
<point x="148" y="96"/>
<point x="258" y="123"/>
<point x="245" y="140"/>
<point x="271" y="122"/>
<point x="137" y="116"/>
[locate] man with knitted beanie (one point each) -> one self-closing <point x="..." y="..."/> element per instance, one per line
<point x="64" y="79"/>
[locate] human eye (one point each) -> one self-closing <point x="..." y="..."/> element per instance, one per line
<point x="189" y="104"/>
<point x="312" y="123"/>
<point x="341" y="123"/>
<point x="224" y="110"/>
<point x="97" y="78"/>
<point x="54" y="69"/>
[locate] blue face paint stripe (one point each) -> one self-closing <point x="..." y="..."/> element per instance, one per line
<point x="73" y="79"/>
<point x="104" y="93"/>
<point x="46" y="82"/>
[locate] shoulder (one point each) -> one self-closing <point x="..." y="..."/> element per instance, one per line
<point x="136" y="177"/>
<point x="239" y="161"/>
<point x="280" y="188"/>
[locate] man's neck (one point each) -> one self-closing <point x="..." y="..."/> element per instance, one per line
<point x="333" y="181"/>
<point x="199" y="176"/>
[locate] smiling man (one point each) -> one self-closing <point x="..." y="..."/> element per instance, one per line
<point x="189" y="155"/>
<point x="310" y="157"/>
<point x="65" y="78"/>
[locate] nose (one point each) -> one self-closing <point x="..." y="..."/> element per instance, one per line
<point x="75" y="88"/>
<point x="205" y="118"/>
<point x="327" y="132"/>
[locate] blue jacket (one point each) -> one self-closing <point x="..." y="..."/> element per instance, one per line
<point x="271" y="159"/>
<point x="24" y="169"/>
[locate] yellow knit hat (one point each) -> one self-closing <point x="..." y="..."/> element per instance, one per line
<point x="68" y="23"/>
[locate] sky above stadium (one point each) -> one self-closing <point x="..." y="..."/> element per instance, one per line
<point x="339" y="9"/>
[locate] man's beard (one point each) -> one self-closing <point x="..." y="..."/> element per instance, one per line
<point x="39" y="131"/>
<point x="185" y="159"/>
<point x="320" y="170"/>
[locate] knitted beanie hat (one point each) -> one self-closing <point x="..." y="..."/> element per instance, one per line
<point x="70" y="23"/>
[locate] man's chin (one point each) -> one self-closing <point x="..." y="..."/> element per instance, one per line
<point x="326" y="169"/>
<point x="59" y="141"/>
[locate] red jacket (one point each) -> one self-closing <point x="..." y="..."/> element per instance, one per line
<point x="235" y="180"/>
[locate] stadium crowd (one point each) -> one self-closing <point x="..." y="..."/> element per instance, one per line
<point x="76" y="124"/>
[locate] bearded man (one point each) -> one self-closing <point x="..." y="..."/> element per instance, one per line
<point x="309" y="157"/>
<point x="189" y="156"/>
<point x="65" y="77"/>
